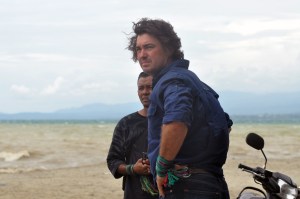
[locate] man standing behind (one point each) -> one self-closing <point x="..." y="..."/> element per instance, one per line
<point x="188" y="132"/>
<point x="128" y="144"/>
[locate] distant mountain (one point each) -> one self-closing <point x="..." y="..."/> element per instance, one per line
<point x="239" y="103"/>
<point x="97" y="111"/>
<point x="235" y="103"/>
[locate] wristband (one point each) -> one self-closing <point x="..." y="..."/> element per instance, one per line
<point x="129" y="169"/>
<point x="162" y="166"/>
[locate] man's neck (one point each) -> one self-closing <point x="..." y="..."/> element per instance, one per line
<point x="143" y="112"/>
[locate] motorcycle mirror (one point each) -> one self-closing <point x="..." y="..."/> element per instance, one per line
<point x="255" y="141"/>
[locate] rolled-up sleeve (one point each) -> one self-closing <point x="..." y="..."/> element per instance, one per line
<point x="178" y="102"/>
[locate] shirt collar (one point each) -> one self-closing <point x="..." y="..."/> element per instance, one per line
<point x="181" y="63"/>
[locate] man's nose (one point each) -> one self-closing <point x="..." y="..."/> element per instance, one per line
<point x="146" y="91"/>
<point x="143" y="53"/>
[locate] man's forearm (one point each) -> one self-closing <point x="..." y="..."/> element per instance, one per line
<point x="172" y="137"/>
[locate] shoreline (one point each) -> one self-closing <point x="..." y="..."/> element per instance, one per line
<point x="77" y="183"/>
<point x="96" y="182"/>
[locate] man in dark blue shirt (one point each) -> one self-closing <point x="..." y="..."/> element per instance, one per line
<point x="188" y="134"/>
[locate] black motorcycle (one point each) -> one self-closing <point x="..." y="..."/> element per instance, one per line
<point x="275" y="184"/>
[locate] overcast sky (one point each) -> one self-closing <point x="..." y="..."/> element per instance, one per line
<point x="68" y="53"/>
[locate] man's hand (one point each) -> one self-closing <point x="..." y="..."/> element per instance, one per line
<point x="160" y="181"/>
<point x="142" y="167"/>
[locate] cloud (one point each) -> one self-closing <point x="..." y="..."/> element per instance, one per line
<point x="54" y="87"/>
<point x="20" y="89"/>
<point x="68" y="53"/>
<point x="37" y="57"/>
<point x="104" y="86"/>
<point x="264" y="63"/>
<point x="237" y="26"/>
<point x="254" y="26"/>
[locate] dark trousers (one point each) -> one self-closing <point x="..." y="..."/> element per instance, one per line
<point x="199" y="186"/>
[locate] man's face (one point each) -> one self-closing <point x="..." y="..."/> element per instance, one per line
<point x="151" y="55"/>
<point x="144" y="90"/>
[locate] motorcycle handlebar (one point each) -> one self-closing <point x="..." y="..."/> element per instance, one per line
<point x="242" y="166"/>
<point x="256" y="171"/>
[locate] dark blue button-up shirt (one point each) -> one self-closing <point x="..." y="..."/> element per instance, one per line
<point x="179" y="96"/>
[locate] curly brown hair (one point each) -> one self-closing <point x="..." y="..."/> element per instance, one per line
<point x="162" y="31"/>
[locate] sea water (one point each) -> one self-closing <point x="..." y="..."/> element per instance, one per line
<point x="46" y="145"/>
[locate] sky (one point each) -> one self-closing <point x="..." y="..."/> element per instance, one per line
<point x="68" y="53"/>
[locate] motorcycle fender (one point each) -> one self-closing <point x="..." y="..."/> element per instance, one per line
<point x="250" y="195"/>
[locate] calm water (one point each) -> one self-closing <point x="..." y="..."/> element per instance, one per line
<point x="26" y="146"/>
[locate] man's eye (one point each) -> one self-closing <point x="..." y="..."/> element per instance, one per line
<point x="149" y="47"/>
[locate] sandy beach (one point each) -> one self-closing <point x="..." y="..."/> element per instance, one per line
<point x="95" y="181"/>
